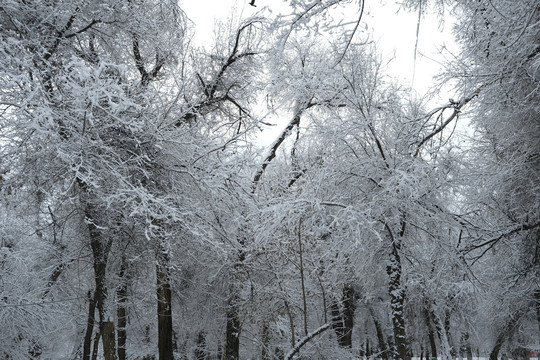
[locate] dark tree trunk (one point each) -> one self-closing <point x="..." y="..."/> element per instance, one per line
<point x="537" y="300"/>
<point x="465" y="348"/>
<point x="397" y="302"/>
<point x="95" y="348"/>
<point x="87" y="344"/>
<point x="343" y="318"/>
<point x="431" y="332"/>
<point x="232" y="346"/>
<point x="121" y="311"/>
<point x="503" y="335"/>
<point x="201" y="352"/>
<point x="494" y="355"/>
<point x="100" y="251"/>
<point x="265" y="340"/>
<point x="164" y="308"/>
<point x="380" y="336"/>
<point x="452" y="349"/>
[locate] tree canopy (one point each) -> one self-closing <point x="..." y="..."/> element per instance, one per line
<point x="140" y="219"/>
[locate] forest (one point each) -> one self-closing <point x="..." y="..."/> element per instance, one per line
<point x="140" y="220"/>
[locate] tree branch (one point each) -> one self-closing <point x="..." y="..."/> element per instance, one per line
<point x="305" y="340"/>
<point x="456" y="110"/>
<point x="277" y="143"/>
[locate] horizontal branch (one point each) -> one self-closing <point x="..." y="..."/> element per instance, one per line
<point x="491" y="242"/>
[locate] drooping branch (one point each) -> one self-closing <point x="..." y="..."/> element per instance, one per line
<point x="305" y="340"/>
<point x="490" y="243"/>
<point x="295" y="121"/>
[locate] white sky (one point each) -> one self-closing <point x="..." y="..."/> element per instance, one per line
<point x="394" y="32"/>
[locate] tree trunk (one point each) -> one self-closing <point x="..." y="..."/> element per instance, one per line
<point x="465" y="348"/>
<point x="397" y="302"/>
<point x="100" y="251"/>
<point x="537" y="301"/>
<point x="343" y="318"/>
<point x="380" y="335"/>
<point x="201" y="352"/>
<point x="121" y="311"/>
<point x="87" y="344"/>
<point x="265" y="341"/>
<point x="164" y="308"/>
<point x="95" y="348"/>
<point x="498" y="344"/>
<point x="502" y="336"/>
<point x="451" y="346"/>
<point x="441" y="332"/>
<point x="431" y="333"/>
<point x="232" y="346"/>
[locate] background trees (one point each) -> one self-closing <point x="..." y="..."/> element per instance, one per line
<point x="140" y="221"/>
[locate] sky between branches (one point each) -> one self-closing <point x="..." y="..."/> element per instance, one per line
<point x="392" y="28"/>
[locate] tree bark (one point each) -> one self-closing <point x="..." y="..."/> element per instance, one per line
<point x="100" y="251"/>
<point x="431" y="333"/>
<point x="200" y="352"/>
<point x="232" y="346"/>
<point x="121" y="311"/>
<point x="537" y="303"/>
<point x="95" y="348"/>
<point x="164" y="308"/>
<point x="343" y="318"/>
<point x="397" y="302"/>
<point x="87" y="344"/>
<point x="441" y="332"/>
<point x="380" y="335"/>
<point x="465" y="348"/>
<point x="265" y="341"/>
<point x="502" y="336"/>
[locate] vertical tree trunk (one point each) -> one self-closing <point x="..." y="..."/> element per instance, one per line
<point x="265" y="340"/>
<point x="164" y="308"/>
<point x="121" y="311"/>
<point x="343" y="318"/>
<point x="537" y="300"/>
<point x="397" y="302"/>
<point x="431" y="333"/>
<point x="87" y="344"/>
<point x="302" y="282"/>
<point x="494" y="355"/>
<point x="451" y="346"/>
<point x="95" y="348"/>
<point x="441" y="332"/>
<point x="465" y="349"/>
<point x="232" y="346"/>
<point x="380" y="335"/>
<point x="100" y="252"/>
<point x="349" y="308"/>
<point x="201" y="352"/>
<point x="504" y="333"/>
